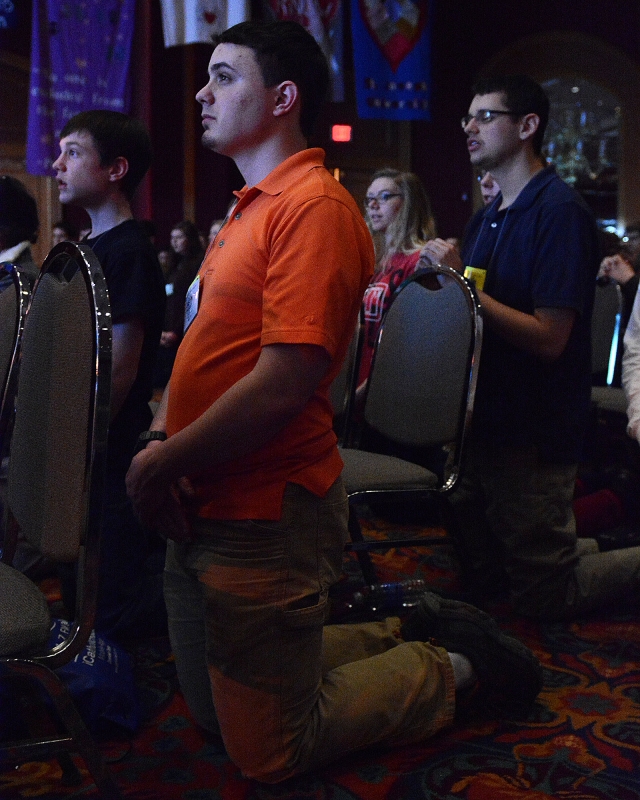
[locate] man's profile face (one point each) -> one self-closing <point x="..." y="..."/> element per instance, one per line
<point x="80" y="176"/>
<point x="493" y="142"/>
<point x="489" y="188"/>
<point x="236" y="106"/>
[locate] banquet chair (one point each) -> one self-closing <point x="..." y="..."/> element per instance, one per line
<point x="420" y="395"/>
<point x="606" y="349"/>
<point x="605" y="329"/>
<point x="14" y="298"/>
<point x="54" y="498"/>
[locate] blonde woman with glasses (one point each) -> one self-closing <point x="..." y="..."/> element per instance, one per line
<point x="398" y="214"/>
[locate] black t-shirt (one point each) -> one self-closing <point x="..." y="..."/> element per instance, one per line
<point x="136" y="289"/>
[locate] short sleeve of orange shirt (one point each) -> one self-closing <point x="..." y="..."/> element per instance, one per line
<point x="290" y="266"/>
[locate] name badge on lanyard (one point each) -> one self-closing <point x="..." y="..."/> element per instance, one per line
<point x="191" y="303"/>
<point x="476" y="275"/>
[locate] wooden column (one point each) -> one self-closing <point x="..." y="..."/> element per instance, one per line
<point x="189" y="133"/>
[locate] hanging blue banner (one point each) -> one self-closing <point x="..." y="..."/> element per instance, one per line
<point x="392" y="54"/>
<point x="80" y="56"/>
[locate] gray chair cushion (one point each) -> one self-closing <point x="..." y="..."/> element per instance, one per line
<point x="609" y="398"/>
<point x="368" y="472"/>
<point x="24" y="614"/>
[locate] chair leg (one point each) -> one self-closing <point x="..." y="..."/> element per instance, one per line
<point x="83" y="742"/>
<point x="364" y="559"/>
<point x="361" y="548"/>
<point x="39" y="724"/>
<point x="70" y="773"/>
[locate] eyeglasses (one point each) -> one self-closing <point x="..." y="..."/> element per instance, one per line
<point x="484" y="116"/>
<point x="383" y="197"/>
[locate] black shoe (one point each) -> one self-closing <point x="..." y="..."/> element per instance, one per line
<point x="505" y="667"/>
<point x="618" y="538"/>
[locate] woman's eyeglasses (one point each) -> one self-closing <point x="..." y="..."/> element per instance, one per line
<point x="383" y="198"/>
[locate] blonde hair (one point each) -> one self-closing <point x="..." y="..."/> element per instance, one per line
<point x="412" y="226"/>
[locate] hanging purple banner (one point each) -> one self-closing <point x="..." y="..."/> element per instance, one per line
<point x="8" y="15"/>
<point x="392" y="54"/>
<point x="80" y="55"/>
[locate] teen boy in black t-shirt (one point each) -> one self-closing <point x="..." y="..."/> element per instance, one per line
<point x="104" y="156"/>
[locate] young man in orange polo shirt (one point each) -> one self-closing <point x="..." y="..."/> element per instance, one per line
<point x="243" y="474"/>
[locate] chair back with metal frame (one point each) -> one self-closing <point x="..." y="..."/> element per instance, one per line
<point x="55" y="485"/>
<point x="14" y="299"/>
<point x="420" y="395"/>
<point x="605" y="330"/>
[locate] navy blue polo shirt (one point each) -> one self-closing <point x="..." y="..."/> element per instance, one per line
<point x="541" y="252"/>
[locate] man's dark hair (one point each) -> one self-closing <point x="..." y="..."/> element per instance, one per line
<point x="285" y="51"/>
<point x="18" y="213"/>
<point x="522" y="96"/>
<point x="116" y="134"/>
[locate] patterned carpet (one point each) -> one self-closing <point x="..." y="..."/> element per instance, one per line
<point x="580" y="742"/>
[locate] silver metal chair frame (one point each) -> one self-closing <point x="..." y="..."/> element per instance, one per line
<point x="606" y="349"/>
<point x="9" y="370"/>
<point x="605" y="329"/>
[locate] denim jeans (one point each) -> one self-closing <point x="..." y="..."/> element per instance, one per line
<point x="247" y="601"/>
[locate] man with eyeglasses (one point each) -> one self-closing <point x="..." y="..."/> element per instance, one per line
<point x="536" y="251"/>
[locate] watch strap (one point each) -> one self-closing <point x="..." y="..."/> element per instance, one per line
<point x="149" y="436"/>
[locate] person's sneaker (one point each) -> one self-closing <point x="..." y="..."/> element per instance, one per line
<point x="505" y="667"/>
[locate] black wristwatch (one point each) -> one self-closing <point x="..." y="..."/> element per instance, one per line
<point x="149" y="436"/>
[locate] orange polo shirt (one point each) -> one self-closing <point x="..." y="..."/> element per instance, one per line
<point x="289" y="266"/>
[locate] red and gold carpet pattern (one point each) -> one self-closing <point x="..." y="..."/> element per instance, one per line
<point x="580" y="742"/>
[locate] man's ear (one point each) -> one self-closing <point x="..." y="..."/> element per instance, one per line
<point x="118" y="169"/>
<point x="286" y="97"/>
<point x="529" y="125"/>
